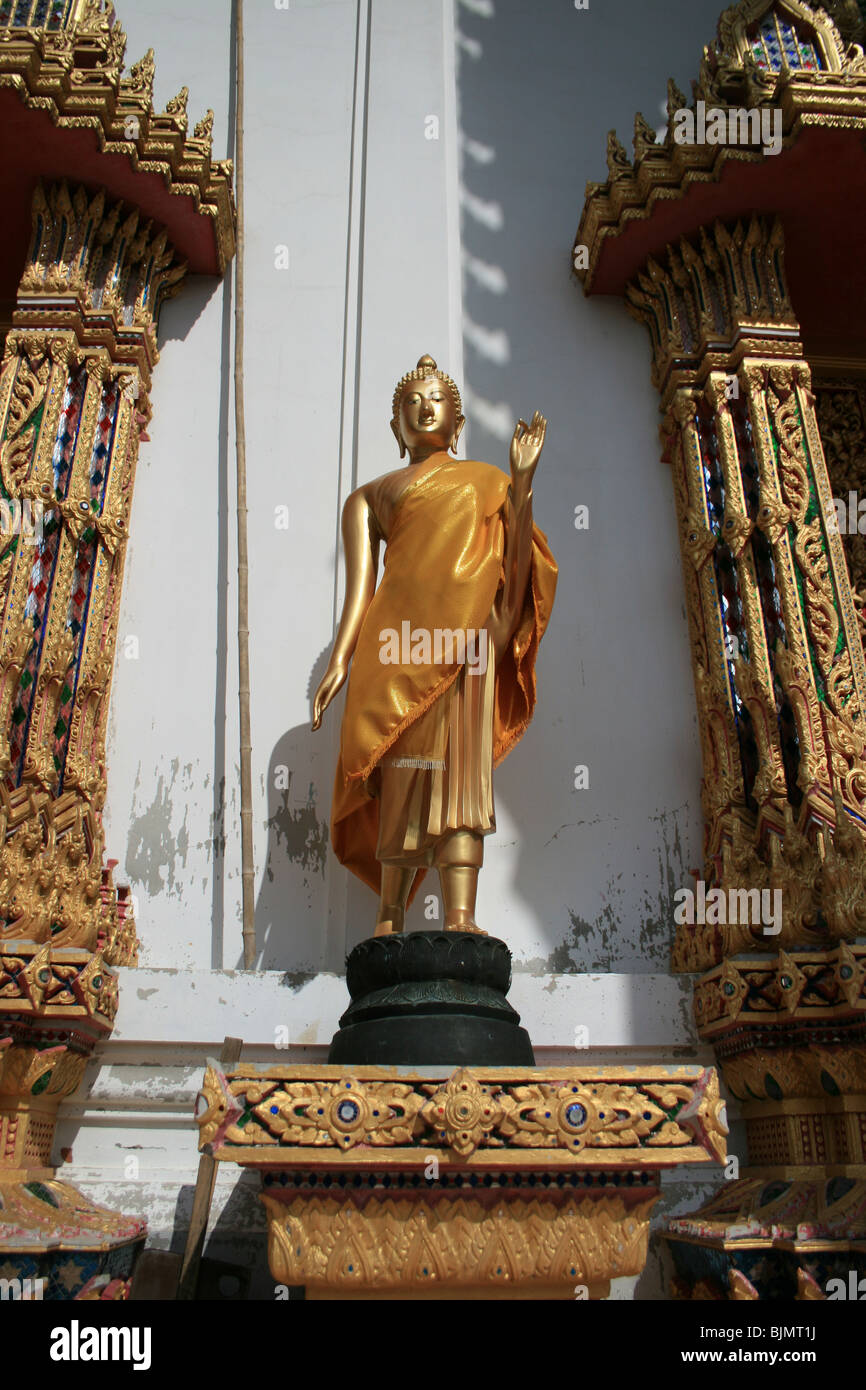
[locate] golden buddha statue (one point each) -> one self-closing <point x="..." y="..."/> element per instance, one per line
<point x="442" y="653"/>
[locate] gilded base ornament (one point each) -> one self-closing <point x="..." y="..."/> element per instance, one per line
<point x="790" y="1037"/>
<point x="770" y="1240"/>
<point x="504" y="1244"/>
<point x="56" y="1004"/>
<point x="493" y="1182"/>
<point x="56" y="1244"/>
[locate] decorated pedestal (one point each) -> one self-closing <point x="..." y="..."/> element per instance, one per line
<point x="782" y="1239"/>
<point x="490" y="1181"/>
<point x="789" y="1035"/>
<point x="55" y="1005"/>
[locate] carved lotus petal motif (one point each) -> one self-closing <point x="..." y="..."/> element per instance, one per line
<point x="463" y="1112"/>
<point x="773" y="517"/>
<point x="112" y="529"/>
<point x="36" y="976"/>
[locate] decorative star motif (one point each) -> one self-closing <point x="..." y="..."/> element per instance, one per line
<point x="70" y="1275"/>
<point x="463" y="1112"/>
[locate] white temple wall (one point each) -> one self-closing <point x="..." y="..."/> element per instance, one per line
<point x="375" y="219"/>
<point x="385" y="144"/>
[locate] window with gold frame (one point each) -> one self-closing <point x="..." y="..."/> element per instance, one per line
<point x="38" y="14"/>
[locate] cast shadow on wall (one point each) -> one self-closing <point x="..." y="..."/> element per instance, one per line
<point x="291" y="906"/>
<point x="234" y="1263"/>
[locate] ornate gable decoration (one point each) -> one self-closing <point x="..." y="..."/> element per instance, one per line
<point x="71" y="69"/>
<point x="758" y="38"/>
<point x="775" y="68"/>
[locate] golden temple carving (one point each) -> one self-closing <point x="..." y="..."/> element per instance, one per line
<point x="775" y="626"/>
<point x="74" y="405"/>
<point x="563" y="1115"/>
<point x="778" y="661"/>
<point x="830" y="93"/>
<point x="496" y="1182"/>
<point x="109" y="276"/>
<point x="530" y="1246"/>
<point x="841" y="410"/>
<point x="76" y="75"/>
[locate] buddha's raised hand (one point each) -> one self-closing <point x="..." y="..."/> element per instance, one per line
<point x="526" y="445"/>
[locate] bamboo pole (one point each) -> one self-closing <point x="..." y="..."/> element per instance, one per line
<point x="201" y="1204"/>
<point x="247" y="866"/>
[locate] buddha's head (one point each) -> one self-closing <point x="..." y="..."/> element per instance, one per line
<point x="427" y="411"/>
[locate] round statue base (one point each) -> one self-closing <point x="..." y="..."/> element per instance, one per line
<point x="430" y="998"/>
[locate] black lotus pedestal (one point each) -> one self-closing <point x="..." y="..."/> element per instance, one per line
<point x="430" y="999"/>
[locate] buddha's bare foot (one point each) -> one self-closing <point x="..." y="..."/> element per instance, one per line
<point x="465" y="926"/>
<point x="385" y="929"/>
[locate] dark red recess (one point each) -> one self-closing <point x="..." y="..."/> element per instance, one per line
<point x="818" y="189"/>
<point x="32" y="147"/>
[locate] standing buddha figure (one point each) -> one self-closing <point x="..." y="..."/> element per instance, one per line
<point x="442" y="653"/>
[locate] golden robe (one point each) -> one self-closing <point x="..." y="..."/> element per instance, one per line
<point x="442" y="570"/>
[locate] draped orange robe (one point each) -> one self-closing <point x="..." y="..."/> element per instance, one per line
<point x="442" y="570"/>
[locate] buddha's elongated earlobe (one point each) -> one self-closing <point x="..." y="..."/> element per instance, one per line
<point x="399" y="438"/>
<point x="461" y="421"/>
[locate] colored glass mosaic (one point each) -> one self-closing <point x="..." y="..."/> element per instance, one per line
<point x="768" y="592"/>
<point x="771" y="601"/>
<point x="67" y="433"/>
<point x="776" y="38"/>
<point x="85" y="561"/>
<point x="35" y="14"/>
<point x="43" y="566"/>
<point x="730" y="596"/>
<point x="726" y="570"/>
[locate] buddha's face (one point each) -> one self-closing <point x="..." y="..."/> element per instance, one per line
<point x="428" y="418"/>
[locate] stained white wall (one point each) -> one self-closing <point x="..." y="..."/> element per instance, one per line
<point x="398" y="243"/>
<point x="352" y="272"/>
<point x="171" y="815"/>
